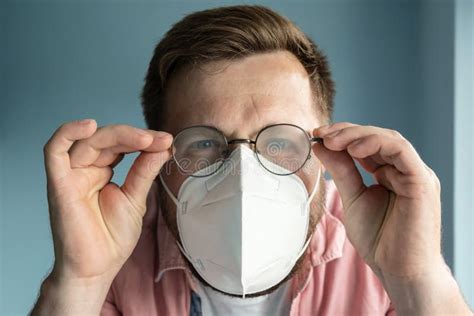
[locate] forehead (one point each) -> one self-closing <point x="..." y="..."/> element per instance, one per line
<point x="243" y="95"/>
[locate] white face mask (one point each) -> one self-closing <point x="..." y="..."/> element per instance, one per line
<point x="243" y="228"/>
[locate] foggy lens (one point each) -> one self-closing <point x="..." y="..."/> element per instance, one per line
<point x="199" y="149"/>
<point x="282" y="149"/>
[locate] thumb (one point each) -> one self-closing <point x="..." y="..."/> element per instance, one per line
<point x="139" y="179"/>
<point x="344" y="172"/>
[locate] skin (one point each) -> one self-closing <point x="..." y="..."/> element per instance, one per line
<point x="394" y="225"/>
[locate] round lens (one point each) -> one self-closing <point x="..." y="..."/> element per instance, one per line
<point x="282" y="149"/>
<point x="199" y="150"/>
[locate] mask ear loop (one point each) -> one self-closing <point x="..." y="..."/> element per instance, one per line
<point x="178" y="205"/>
<point x="315" y="189"/>
<point x="171" y="195"/>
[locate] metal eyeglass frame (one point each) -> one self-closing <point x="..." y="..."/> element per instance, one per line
<point x="310" y="139"/>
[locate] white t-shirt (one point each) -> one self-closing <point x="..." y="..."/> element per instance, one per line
<point x="214" y="303"/>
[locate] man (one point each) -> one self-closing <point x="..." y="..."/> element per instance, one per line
<point x="225" y="210"/>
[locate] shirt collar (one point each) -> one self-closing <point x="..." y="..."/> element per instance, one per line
<point x="326" y="242"/>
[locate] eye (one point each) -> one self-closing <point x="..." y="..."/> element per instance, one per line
<point x="204" y="144"/>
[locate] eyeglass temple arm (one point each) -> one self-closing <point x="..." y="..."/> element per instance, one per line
<point x="317" y="140"/>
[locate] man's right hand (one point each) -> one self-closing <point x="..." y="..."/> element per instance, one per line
<point x="95" y="223"/>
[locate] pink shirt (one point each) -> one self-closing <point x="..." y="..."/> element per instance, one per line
<point x="334" y="279"/>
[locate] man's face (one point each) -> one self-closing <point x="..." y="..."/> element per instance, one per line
<point x="240" y="98"/>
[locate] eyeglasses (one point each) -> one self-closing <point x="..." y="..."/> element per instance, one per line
<point x="281" y="149"/>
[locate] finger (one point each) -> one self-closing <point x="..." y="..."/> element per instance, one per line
<point x="117" y="160"/>
<point x="339" y="139"/>
<point x="159" y="143"/>
<point x="85" y="152"/>
<point x="369" y="163"/>
<point x="109" y="156"/>
<point x="402" y="185"/>
<point x="141" y="175"/>
<point x="98" y="177"/>
<point x="56" y="157"/>
<point x="388" y="149"/>
<point x="386" y="176"/>
<point x="386" y="146"/>
<point x="326" y="129"/>
<point x="343" y="170"/>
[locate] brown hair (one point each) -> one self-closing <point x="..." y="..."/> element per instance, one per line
<point x="227" y="33"/>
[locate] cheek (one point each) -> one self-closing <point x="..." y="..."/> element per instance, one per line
<point x="310" y="173"/>
<point x="318" y="206"/>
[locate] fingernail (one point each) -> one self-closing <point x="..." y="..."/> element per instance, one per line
<point x="332" y="134"/>
<point x="85" y="121"/>
<point x="323" y="130"/>
<point x="143" y="132"/>
<point x="355" y="143"/>
<point x="163" y="134"/>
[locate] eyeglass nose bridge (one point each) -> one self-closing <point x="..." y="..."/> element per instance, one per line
<point x="237" y="141"/>
<point x="241" y="141"/>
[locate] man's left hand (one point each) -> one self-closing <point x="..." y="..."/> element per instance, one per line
<point x="394" y="224"/>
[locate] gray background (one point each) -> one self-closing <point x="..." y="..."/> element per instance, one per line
<point x="393" y="62"/>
